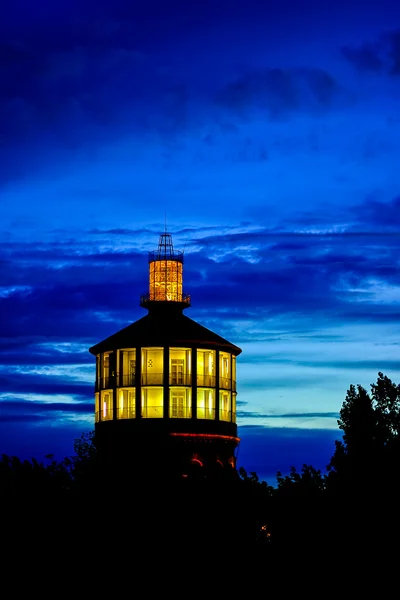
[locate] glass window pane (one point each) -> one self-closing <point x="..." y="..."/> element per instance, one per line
<point x="97" y="407"/>
<point x="165" y="279"/>
<point x="206" y="368"/>
<point x="233" y="408"/>
<point x="127" y="375"/>
<point x="152" y="366"/>
<point x="152" y="402"/>
<point x="180" y="403"/>
<point x="225" y="370"/>
<point x="205" y="403"/>
<point x="106" y="405"/>
<point x="126" y="406"/>
<point x="224" y="406"/>
<point x="180" y="366"/>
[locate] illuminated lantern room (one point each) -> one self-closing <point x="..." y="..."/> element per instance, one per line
<point x="165" y="389"/>
<point x="165" y="273"/>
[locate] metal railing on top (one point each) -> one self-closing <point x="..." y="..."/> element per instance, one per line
<point x="106" y="415"/>
<point x="180" y="413"/>
<point x="106" y="383"/>
<point x="225" y="415"/>
<point x="225" y="383"/>
<point x="206" y="380"/>
<point x="163" y="297"/>
<point x="152" y="412"/>
<point x="205" y="413"/>
<point x="180" y="379"/>
<point x="126" y="380"/>
<point x="126" y="413"/>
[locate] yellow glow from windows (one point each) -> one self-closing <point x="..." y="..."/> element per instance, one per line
<point x="152" y="366"/>
<point x="126" y="408"/>
<point x="96" y="407"/>
<point x="165" y="280"/>
<point x="177" y="382"/>
<point x="205" y="403"/>
<point x="180" y="366"/>
<point x="106" y="405"/>
<point x="206" y="368"/>
<point x="152" y="402"/>
<point x="127" y="367"/>
<point x="179" y="403"/>
<point x="225" y="370"/>
<point x="225" y="406"/>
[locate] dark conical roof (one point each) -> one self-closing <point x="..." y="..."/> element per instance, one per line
<point x="165" y="328"/>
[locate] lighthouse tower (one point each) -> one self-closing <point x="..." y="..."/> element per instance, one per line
<point x="165" y="390"/>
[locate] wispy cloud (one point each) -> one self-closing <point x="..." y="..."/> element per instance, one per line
<point x="11" y="410"/>
<point x="308" y="415"/>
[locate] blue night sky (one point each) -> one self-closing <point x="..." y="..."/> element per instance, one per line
<point x="268" y="133"/>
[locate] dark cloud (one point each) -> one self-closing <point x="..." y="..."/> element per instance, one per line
<point x="21" y="409"/>
<point x="85" y="301"/>
<point x="55" y="94"/>
<point x="22" y="418"/>
<point x="365" y="57"/>
<point x="378" y="214"/>
<point x="307" y="278"/>
<point x="68" y="313"/>
<point x="279" y="92"/>
<point x="21" y="383"/>
<point x="77" y="76"/>
<point x="103" y="73"/>
<point x="394" y="52"/>
<point x="371" y="365"/>
<point x="375" y="314"/>
<point x="78" y="84"/>
<point x="65" y="292"/>
<point x="27" y="353"/>
<point x="121" y="231"/>
<point x="61" y="266"/>
<point x="378" y="56"/>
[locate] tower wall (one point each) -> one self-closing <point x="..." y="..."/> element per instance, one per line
<point x="165" y="392"/>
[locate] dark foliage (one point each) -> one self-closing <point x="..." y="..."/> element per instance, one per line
<point x="77" y="506"/>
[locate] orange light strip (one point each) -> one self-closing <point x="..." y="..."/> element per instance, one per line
<point x="207" y="435"/>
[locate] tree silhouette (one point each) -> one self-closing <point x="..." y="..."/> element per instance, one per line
<point x="353" y="505"/>
<point x="370" y="450"/>
<point x="362" y="480"/>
